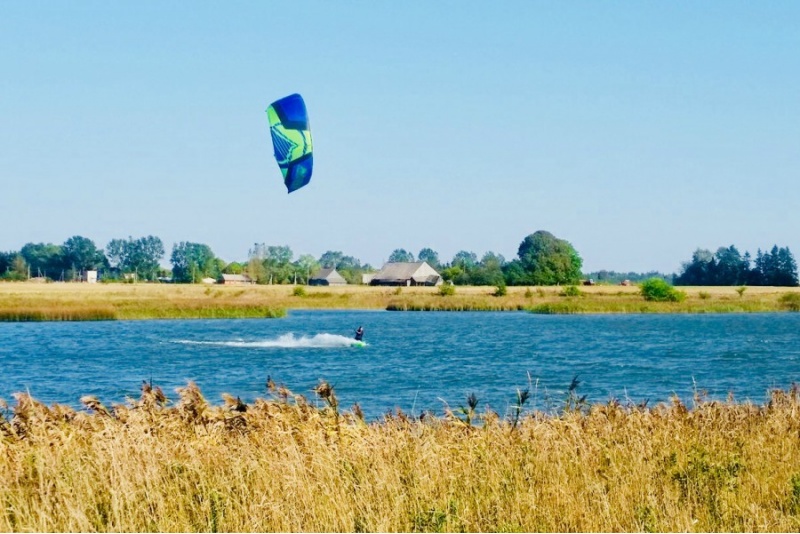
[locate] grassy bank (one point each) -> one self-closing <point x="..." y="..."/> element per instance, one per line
<point x="30" y="301"/>
<point x="286" y="465"/>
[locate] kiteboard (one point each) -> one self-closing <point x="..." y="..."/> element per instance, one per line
<point x="359" y="344"/>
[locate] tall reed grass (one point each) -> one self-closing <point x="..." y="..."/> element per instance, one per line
<point x="298" y="464"/>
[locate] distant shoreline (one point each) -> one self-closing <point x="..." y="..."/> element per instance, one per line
<point x="24" y="301"/>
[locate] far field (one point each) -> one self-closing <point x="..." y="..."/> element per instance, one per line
<point x="25" y="301"/>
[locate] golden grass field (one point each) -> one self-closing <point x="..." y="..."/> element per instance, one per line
<point x="287" y="465"/>
<point x="75" y="301"/>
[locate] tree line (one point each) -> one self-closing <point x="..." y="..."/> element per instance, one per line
<point x="542" y="259"/>
<point x="728" y="267"/>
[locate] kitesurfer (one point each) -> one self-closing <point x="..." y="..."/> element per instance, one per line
<point x="359" y="333"/>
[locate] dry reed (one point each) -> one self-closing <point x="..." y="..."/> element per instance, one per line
<point x="287" y="465"/>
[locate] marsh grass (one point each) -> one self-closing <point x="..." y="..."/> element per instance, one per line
<point x="791" y="301"/>
<point x="295" y="464"/>
<point x="37" y="302"/>
<point x="58" y="314"/>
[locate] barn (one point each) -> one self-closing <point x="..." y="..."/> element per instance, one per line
<point x="414" y="273"/>
<point x="327" y="277"/>
<point x="236" y="279"/>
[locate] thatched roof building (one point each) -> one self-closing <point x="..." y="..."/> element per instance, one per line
<point x="327" y="277"/>
<point x="415" y="273"/>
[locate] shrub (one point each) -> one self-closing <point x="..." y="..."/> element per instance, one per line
<point x="741" y="290"/>
<point x="447" y="289"/>
<point x="299" y="291"/>
<point x="528" y="293"/>
<point x="705" y="295"/>
<point x="791" y="301"/>
<point x="658" y="290"/>
<point x="571" y="291"/>
<point x="501" y="290"/>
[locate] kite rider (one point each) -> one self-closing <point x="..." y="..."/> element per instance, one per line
<point x="359" y="333"/>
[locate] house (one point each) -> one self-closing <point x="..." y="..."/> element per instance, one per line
<point x="327" y="277"/>
<point x="366" y="278"/>
<point x="415" y="273"/>
<point x="236" y="279"/>
<point x="89" y="277"/>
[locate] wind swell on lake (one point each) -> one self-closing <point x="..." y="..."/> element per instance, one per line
<point x="414" y="362"/>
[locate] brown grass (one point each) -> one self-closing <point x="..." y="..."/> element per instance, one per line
<point x="27" y="301"/>
<point x="285" y="465"/>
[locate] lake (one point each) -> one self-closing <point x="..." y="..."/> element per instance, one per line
<point x="415" y="361"/>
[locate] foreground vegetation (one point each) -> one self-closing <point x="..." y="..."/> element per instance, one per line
<point x="290" y="464"/>
<point x="25" y="301"/>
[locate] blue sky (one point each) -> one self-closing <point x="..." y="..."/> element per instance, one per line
<point x="637" y="131"/>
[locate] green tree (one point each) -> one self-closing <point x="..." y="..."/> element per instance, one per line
<point x="234" y="268"/>
<point x="515" y="274"/>
<point x="44" y="259"/>
<point x="777" y="267"/>
<point x="430" y="256"/>
<point x="698" y="271"/>
<point x="13" y="266"/>
<point x="452" y="273"/>
<point x="489" y="272"/>
<point x="465" y="259"/>
<point x="81" y="254"/>
<point x="277" y="262"/>
<point x="191" y="262"/>
<point x="331" y="259"/>
<point x="731" y="268"/>
<point x="139" y="256"/>
<point x="400" y="255"/>
<point x="306" y="265"/>
<point x="548" y="260"/>
<point x="6" y="259"/>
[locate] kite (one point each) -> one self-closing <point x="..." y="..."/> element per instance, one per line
<point x="291" y="139"/>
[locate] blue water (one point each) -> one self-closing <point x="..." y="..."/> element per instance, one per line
<point x="415" y="361"/>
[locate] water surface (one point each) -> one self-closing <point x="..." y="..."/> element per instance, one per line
<point x="414" y="361"/>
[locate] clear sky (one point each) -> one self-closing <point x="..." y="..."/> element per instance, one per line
<point x="637" y="131"/>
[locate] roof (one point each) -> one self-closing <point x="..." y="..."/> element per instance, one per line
<point x="419" y="271"/>
<point x="323" y="273"/>
<point x="236" y="278"/>
<point x="329" y="274"/>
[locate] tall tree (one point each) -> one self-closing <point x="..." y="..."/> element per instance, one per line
<point x="81" y="254"/>
<point x="778" y="267"/>
<point x="191" y="262"/>
<point x="787" y="266"/>
<point x="44" y="259"/>
<point x="277" y="262"/>
<point x="699" y="271"/>
<point x="331" y="259"/>
<point x="548" y="260"/>
<point x="306" y="266"/>
<point x="400" y="255"/>
<point x="430" y="256"/>
<point x="731" y="268"/>
<point x="140" y="256"/>
<point x="6" y="259"/>
<point x="465" y="259"/>
<point x="489" y="272"/>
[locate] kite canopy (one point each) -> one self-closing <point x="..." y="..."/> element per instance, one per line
<point x="291" y="139"/>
